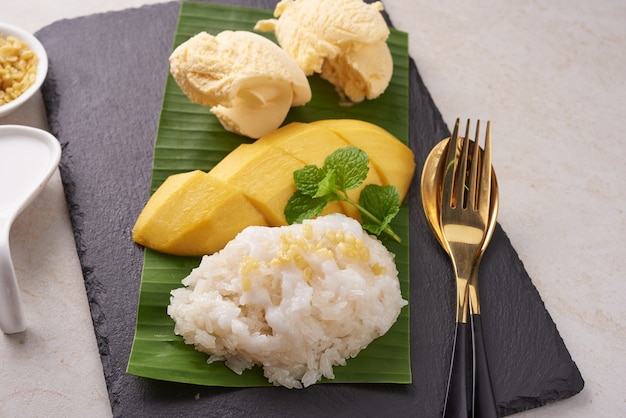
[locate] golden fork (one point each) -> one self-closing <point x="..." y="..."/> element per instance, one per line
<point x="464" y="220"/>
<point x="484" y="403"/>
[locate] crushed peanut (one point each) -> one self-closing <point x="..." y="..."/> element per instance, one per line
<point x="18" y="68"/>
<point x="292" y="250"/>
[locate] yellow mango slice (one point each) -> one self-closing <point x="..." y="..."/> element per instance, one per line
<point x="198" y="213"/>
<point x="309" y="143"/>
<point x="193" y="214"/>
<point x="393" y="160"/>
<point x="312" y="144"/>
<point x="264" y="176"/>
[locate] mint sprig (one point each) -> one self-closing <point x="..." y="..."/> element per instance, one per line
<point x="345" y="169"/>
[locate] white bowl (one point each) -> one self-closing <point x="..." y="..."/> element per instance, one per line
<point x="42" y="66"/>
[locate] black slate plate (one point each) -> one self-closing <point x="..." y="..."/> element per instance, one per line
<point x="103" y="96"/>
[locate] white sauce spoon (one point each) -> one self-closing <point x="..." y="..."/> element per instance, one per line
<point x="28" y="157"/>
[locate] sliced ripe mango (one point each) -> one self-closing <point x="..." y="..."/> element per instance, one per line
<point x="234" y="160"/>
<point x="308" y="143"/>
<point x="198" y="213"/>
<point x="264" y="176"/>
<point x="312" y="144"/>
<point x="193" y="214"/>
<point x="393" y="160"/>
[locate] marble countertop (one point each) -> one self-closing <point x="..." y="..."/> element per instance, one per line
<point x="550" y="77"/>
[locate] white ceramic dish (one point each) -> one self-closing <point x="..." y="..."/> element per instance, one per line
<point x="42" y="66"/>
<point x="28" y="157"/>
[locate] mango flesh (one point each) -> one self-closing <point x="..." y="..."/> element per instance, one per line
<point x="197" y="213"/>
<point x="308" y="143"/>
<point x="393" y="160"/>
<point x="311" y="144"/>
<point x="264" y="176"/>
<point x="194" y="214"/>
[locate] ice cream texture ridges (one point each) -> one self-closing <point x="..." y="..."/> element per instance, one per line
<point x="343" y="40"/>
<point x="249" y="82"/>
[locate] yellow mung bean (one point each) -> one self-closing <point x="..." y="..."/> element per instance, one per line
<point x="18" y="68"/>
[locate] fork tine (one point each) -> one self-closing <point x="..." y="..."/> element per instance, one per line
<point x="448" y="179"/>
<point x="460" y="182"/>
<point x="485" y="176"/>
<point x="474" y="171"/>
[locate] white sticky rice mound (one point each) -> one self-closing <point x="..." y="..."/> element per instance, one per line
<point x="295" y="300"/>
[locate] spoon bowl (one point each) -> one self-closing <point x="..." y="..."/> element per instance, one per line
<point x="28" y="157"/>
<point x="430" y="189"/>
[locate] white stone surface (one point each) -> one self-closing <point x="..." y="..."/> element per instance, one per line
<point x="551" y="78"/>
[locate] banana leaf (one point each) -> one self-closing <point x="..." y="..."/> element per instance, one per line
<point x="189" y="137"/>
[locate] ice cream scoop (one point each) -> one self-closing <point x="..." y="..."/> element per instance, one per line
<point x="343" y="40"/>
<point x="28" y="157"/>
<point x="249" y="82"/>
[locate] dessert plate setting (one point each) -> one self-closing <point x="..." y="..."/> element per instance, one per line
<point x="180" y="119"/>
<point x="129" y="297"/>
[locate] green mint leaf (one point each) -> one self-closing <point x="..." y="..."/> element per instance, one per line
<point x="326" y="185"/>
<point x="308" y="178"/>
<point x="381" y="202"/>
<point x="343" y="170"/>
<point x="302" y="206"/>
<point x="350" y="165"/>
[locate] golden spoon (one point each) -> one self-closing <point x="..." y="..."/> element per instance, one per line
<point x="432" y="177"/>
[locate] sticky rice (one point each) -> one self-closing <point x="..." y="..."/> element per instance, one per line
<point x="295" y="300"/>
